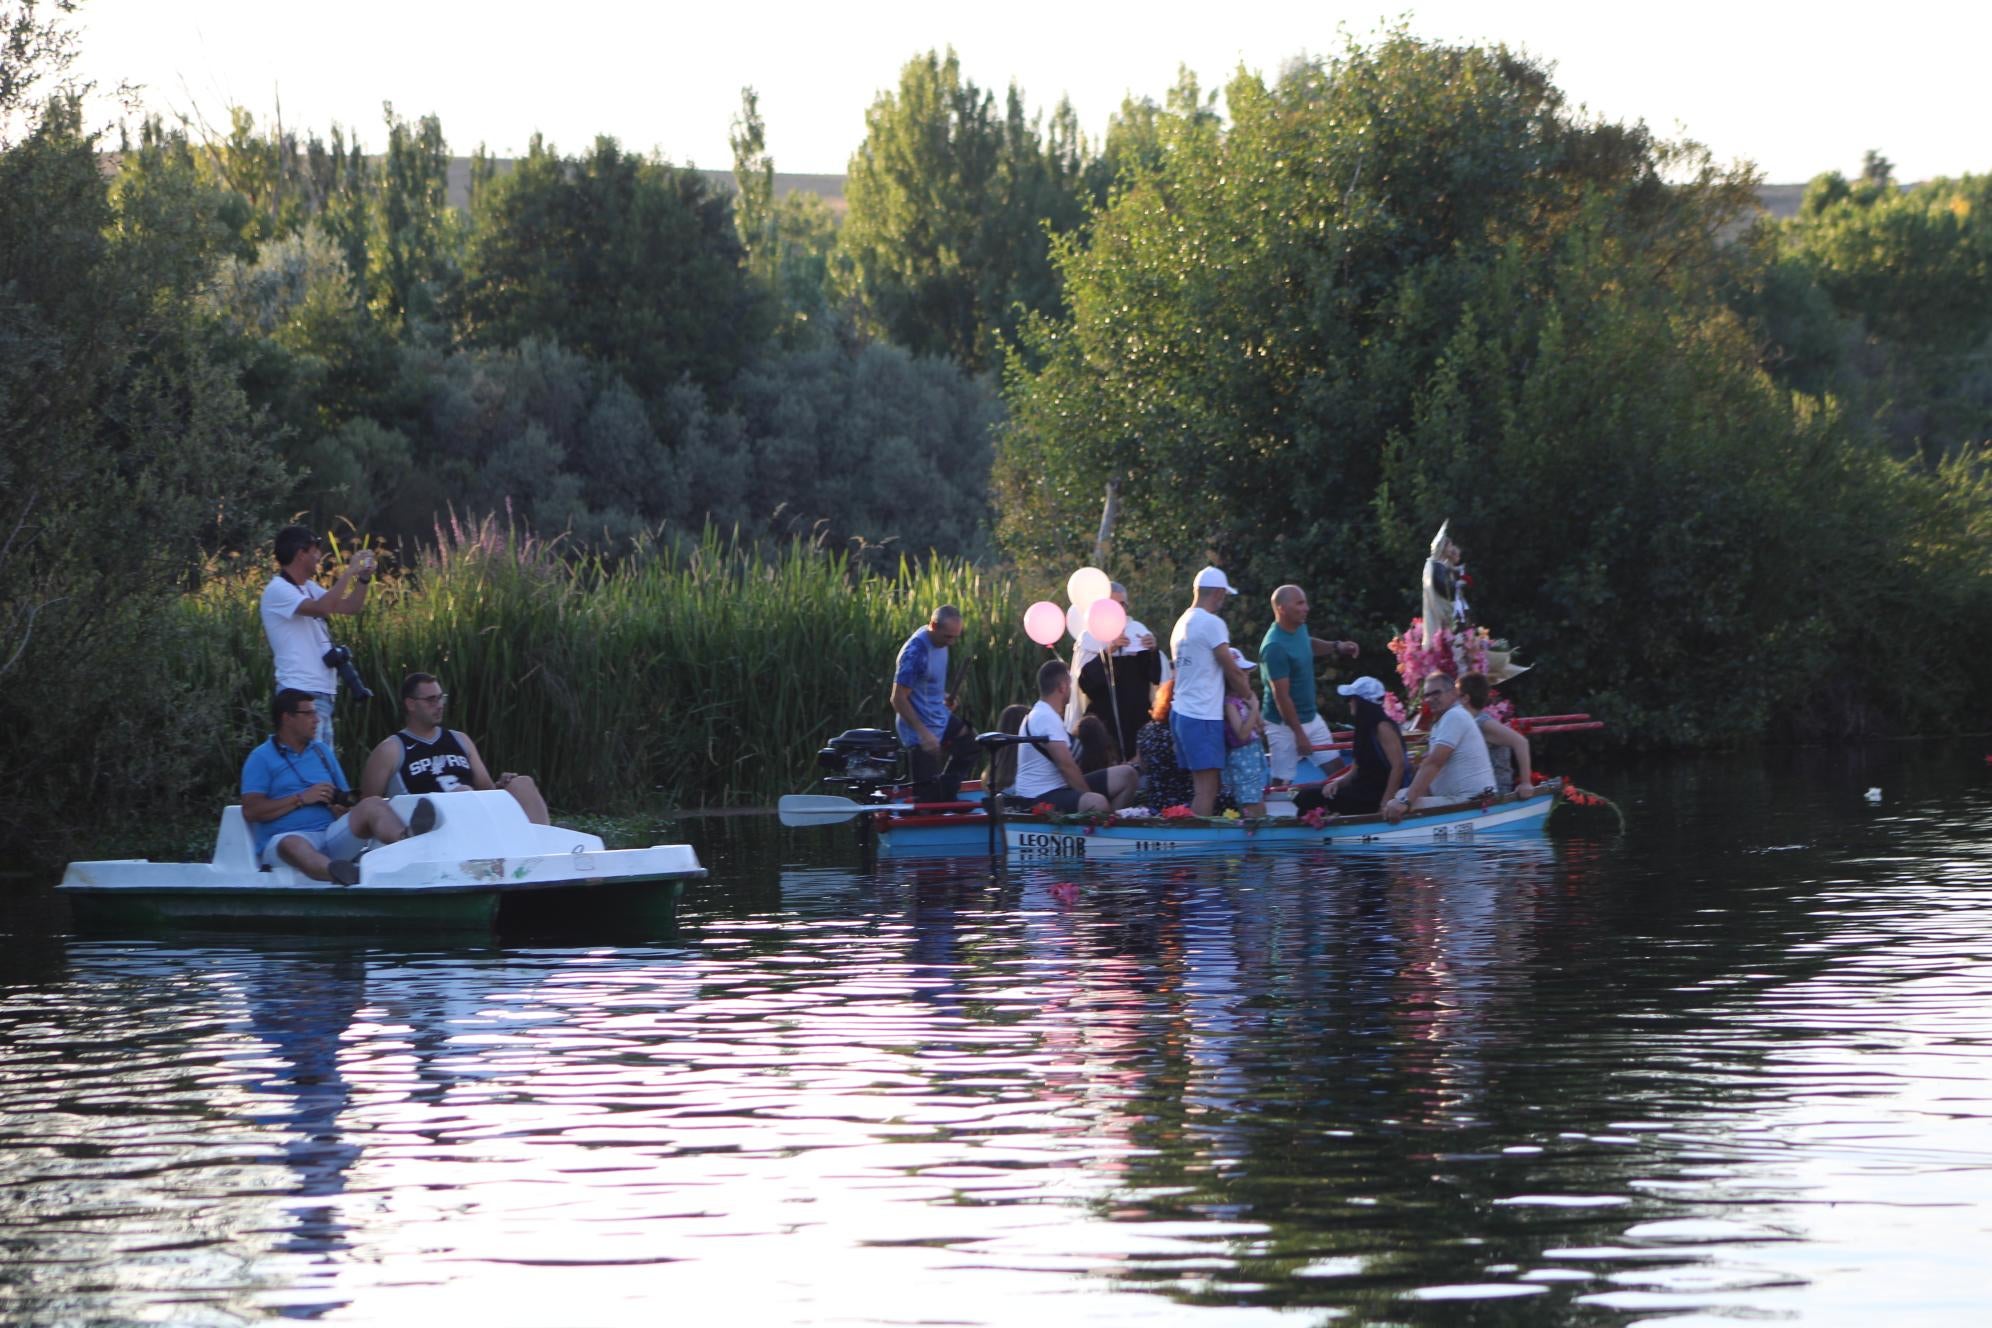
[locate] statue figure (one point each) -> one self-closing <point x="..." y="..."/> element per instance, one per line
<point x="1445" y="587"/>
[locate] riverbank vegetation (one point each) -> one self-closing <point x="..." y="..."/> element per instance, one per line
<point x="687" y="675"/>
<point x="1724" y="478"/>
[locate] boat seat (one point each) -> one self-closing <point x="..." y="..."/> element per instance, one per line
<point x="234" y="850"/>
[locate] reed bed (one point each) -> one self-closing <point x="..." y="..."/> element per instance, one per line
<point x="704" y="675"/>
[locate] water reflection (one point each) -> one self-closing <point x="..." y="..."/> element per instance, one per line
<point x="1572" y="1079"/>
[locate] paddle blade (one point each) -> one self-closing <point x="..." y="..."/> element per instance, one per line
<point x="817" y="809"/>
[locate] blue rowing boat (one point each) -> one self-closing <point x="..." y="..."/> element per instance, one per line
<point x="1071" y="838"/>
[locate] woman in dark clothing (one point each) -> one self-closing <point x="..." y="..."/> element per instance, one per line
<point x="1163" y="782"/>
<point x="1133" y="674"/>
<point x="1378" y="751"/>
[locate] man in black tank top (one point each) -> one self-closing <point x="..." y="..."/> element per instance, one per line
<point x="426" y="757"/>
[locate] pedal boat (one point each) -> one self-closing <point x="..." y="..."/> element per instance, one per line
<point x="482" y="854"/>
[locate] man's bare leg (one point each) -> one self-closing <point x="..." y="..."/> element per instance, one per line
<point x="530" y="800"/>
<point x="1207" y="783"/>
<point x="299" y="853"/>
<point x="372" y="818"/>
<point x="1122" y="781"/>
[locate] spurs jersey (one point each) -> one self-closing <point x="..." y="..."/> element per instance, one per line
<point x="436" y="766"/>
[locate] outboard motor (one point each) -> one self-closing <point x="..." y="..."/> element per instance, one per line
<point x="863" y="761"/>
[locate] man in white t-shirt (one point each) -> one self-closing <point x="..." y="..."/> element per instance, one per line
<point x="1046" y="772"/>
<point x="1456" y="767"/>
<point x="295" y="609"/>
<point x="1201" y="644"/>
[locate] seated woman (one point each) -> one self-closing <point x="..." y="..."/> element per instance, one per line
<point x="1003" y="765"/>
<point x="1506" y="749"/>
<point x="1163" y="782"/>
<point x="1092" y="746"/>
<point x="1378" y="751"/>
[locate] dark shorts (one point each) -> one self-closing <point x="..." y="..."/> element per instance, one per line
<point x="1067" y="799"/>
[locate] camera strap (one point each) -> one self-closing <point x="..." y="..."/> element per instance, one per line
<point x="316" y="747"/>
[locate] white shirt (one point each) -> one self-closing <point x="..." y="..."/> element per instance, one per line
<point x="298" y="641"/>
<point x="1037" y="774"/>
<point x="1199" y="677"/>
<point x="1468" y="770"/>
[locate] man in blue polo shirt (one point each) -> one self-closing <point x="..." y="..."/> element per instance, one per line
<point x="940" y="745"/>
<point x="296" y="800"/>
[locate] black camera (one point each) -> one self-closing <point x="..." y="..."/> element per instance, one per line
<point x="341" y="659"/>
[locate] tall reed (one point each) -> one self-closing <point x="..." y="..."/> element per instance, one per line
<point x="703" y="675"/>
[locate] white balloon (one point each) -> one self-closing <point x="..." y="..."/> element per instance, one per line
<point x="1086" y="585"/>
<point x="1075" y="620"/>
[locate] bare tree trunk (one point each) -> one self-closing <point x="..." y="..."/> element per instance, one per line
<point x="1107" y="514"/>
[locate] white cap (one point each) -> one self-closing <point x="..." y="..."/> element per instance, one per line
<point x="1238" y="658"/>
<point x="1369" y="689"/>
<point x="1212" y="578"/>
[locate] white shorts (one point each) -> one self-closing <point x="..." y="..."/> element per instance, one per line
<point x="1280" y="744"/>
<point x="335" y="841"/>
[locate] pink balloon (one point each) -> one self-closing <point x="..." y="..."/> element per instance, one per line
<point x="1044" y="623"/>
<point x="1105" y="619"/>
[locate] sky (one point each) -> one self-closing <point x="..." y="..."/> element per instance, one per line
<point x="1794" y="88"/>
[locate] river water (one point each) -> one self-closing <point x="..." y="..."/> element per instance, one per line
<point x="1731" y="1064"/>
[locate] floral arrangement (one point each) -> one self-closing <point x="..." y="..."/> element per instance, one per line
<point x="1179" y="812"/>
<point x="1417" y="658"/>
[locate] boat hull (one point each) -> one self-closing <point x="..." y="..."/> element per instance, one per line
<point x="481" y="864"/>
<point x="1048" y="839"/>
<point x="959" y="835"/>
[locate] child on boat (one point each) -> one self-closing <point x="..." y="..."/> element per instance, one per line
<point x="1245" y="766"/>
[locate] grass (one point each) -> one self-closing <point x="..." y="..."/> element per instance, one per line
<point x="700" y="676"/>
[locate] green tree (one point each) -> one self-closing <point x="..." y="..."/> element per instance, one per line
<point x="415" y="239"/>
<point x="627" y="260"/>
<point x="754" y="189"/>
<point x="1409" y="285"/>
<point x="945" y="235"/>
<point x="1883" y="296"/>
<point x="128" y="454"/>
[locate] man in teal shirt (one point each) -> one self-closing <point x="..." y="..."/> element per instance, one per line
<point x="1294" y="727"/>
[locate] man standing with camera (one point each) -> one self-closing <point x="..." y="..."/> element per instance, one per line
<point x="295" y="609"/>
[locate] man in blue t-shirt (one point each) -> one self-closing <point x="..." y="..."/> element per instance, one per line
<point x="940" y="745"/>
<point x="1294" y="727"/>
<point x="296" y="800"/>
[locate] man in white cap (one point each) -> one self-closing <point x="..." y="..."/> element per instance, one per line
<point x="1201" y="644"/>
<point x="1294" y="727"/>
